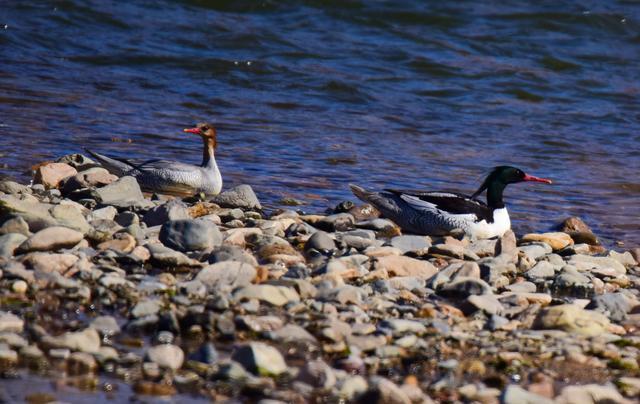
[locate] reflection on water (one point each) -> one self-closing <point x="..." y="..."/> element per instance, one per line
<point x="310" y="96"/>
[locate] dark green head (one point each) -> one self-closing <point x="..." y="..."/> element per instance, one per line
<point x="499" y="178"/>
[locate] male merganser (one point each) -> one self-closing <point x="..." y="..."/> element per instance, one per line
<point x="438" y="213"/>
<point x="172" y="177"/>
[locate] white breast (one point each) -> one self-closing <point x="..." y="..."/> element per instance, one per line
<point x="501" y="223"/>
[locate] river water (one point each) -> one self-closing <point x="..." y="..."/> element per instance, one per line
<point x="310" y="96"/>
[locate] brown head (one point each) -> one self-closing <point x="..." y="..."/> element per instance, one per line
<point x="206" y="131"/>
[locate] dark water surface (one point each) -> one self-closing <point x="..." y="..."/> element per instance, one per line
<point x="310" y="96"/>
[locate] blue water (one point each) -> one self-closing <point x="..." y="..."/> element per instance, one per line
<point x="309" y="96"/>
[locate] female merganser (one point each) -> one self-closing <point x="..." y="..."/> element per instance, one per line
<point x="438" y="213"/>
<point x="171" y="177"/>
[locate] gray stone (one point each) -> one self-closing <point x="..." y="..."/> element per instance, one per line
<point x="514" y="394"/>
<point x="343" y="294"/>
<point x="9" y="322"/>
<point x="15" y="225"/>
<point x="542" y="270"/>
<point x="570" y="282"/>
<point x="378" y="225"/>
<point x="123" y="192"/>
<point x="590" y="394"/>
<point x="165" y="256"/>
<point x="293" y="333"/>
<point x="613" y="305"/>
<point x="232" y="253"/>
<point x="487" y="303"/>
<point x="102" y="230"/>
<point x="336" y="222"/>
<point x="126" y="219"/>
<point x="241" y="197"/>
<point x="535" y="250"/>
<point x="572" y="318"/>
<point x="146" y="308"/>
<point x="410" y="243"/>
<point x="590" y="263"/>
<point x="190" y="235"/>
<point x="260" y="359"/>
<point x="275" y="295"/>
<point x="87" y="340"/>
<point x="387" y="392"/>
<point x="106" y="325"/>
<point x="70" y="215"/>
<point x="174" y="209"/>
<point x="11" y="187"/>
<point x="464" y="287"/>
<point x="401" y="326"/>
<point x="166" y="356"/>
<point x="36" y="214"/>
<point x="10" y="242"/>
<point x="318" y="374"/>
<point x="108" y="213"/>
<point x="226" y="275"/>
<point x="51" y="238"/>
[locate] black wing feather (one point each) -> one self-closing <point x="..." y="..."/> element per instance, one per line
<point x="453" y="203"/>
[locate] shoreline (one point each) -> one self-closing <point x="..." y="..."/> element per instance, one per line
<point x="103" y="287"/>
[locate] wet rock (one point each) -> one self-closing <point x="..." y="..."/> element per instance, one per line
<point x="613" y="305"/>
<point x="124" y="192"/>
<point x="9" y="322"/>
<point x="573" y="224"/>
<point x="10" y="242"/>
<point x="414" y="244"/>
<point x="50" y="175"/>
<point x="572" y="318"/>
<point x="190" y="235"/>
<point x="275" y="295"/>
<point x="590" y="394"/>
<point x="172" y="210"/>
<point x="406" y="266"/>
<point x="260" y="359"/>
<point x="514" y="394"/>
<point x="166" y="356"/>
<point x="226" y="275"/>
<point x="241" y="197"/>
<point x="51" y="238"/>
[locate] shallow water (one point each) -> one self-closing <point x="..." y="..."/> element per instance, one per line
<point x="310" y="96"/>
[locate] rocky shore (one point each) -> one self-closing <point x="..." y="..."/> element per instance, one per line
<point x="105" y="290"/>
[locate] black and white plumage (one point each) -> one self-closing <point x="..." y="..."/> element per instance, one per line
<point x="439" y="213"/>
<point x="172" y="177"/>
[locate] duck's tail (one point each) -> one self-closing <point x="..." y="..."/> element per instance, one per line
<point x="114" y="166"/>
<point x="383" y="202"/>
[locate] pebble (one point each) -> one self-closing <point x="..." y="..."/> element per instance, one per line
<point x="260" y="359"/>
<point x="166" y="356"/>
<point x="241" y="196"/>
<point x="406" y="266"/>
<point x="274" y="295"/>
<point x="574" y="319"/>
<point x="190" y="235"/>
<point x="9" y="322"/>
<point x="557" y="241"/>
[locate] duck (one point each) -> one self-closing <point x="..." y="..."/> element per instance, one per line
<point x="440" y="213"/>
<point x="172" y="177"/>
